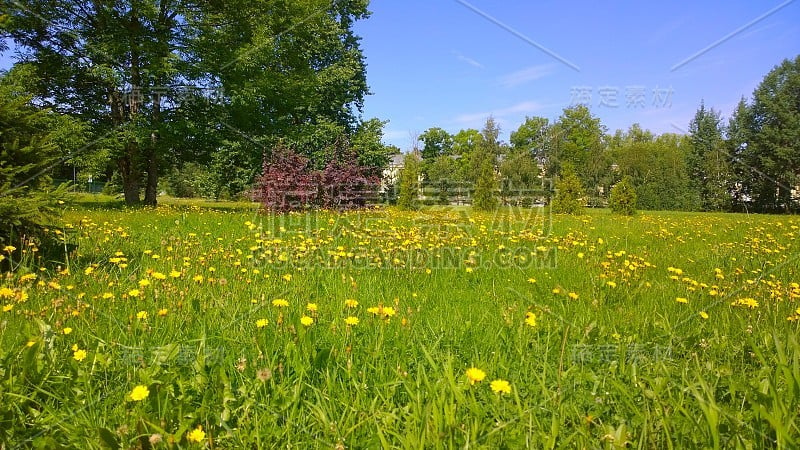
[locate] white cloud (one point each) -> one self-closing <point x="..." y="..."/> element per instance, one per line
<point x="468" y="60"/>
<point x="526" y="75"/>
<point x="480" y="117"/>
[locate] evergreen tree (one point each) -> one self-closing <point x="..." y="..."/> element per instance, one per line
<point x="32" y="140"/>
<point x="569" y="192"/>
<point x="408" y="197"/>
<point x="485" y="197"/>
<point x="709" y="162"/>
<point x="622" y="199"/>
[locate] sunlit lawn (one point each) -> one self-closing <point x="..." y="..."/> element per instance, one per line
<point x="326" y="330"/>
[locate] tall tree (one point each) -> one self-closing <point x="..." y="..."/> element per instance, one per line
<point x="774" y="148"/>
<point x="709" y="162"/>
<point x="579" y="138"/>
<point x="465" y="143"/>
<point x="436" y="142"/>
<point x="737" y="136"/>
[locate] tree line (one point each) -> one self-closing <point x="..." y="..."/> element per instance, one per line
<point x="749" y="163"/>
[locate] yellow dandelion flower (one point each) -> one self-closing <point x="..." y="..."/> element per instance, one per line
<point x="351" y="303"/>
<point x="67" y="330"/>
<point x="287" y="277"/>
<point x="163" y="312"/>
<point x="611" y="284"/>
<point x="159" y="276"/>
<point x="573" y="295"/>
<point x="197" y="435"/>
<point x="530" y="319"/>
<point x="141" y="315"/>
<point x="261" y="323"/>
<point x="311" y="307"/>
<point x="704" y="315"/>
<point x="88" y="270"/>
<point x="475" y="375"/>
<point x="306" y="321"/>
<point x="280" y="303"/>
<point x="531" y="280"/>
<point x="682" y="300"/>
<point x="500" y="386"/>
<point x="8" y="307"/>
<point x="139" y="393"/>
<point x="351" y="321"/>
<point x="134" y="293"/>
<point x="79" y="355"/>
<point x="174" y="274"/>
<point x="9" y="248"/>
<point x="144" y="283"/>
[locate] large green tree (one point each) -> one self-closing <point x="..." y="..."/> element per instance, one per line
<point x="138" y="70"/>
<point x="772" y="152"/>
<point x="436" y="142"/>
<point x="578" y="138"/>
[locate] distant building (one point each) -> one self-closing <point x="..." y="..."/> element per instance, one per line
<point x="391" y="174"/>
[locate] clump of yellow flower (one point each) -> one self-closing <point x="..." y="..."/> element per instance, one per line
<point x="475" y="375"/>
<point x="306" y="321"/>
<point x="261" y="323"/>
<point x="530" y="319"/>
<point x="351" y="321"/>
<point x="139" y="393"/>
<point x="746" y="302"/>
<point x="197" y="435"/>
<point x="351" y="303"/>
<point x="280" y="303"/>
<point x="500" y="386"/>
<point x="79" y="354"/>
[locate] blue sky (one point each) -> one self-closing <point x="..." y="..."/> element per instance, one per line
<point x="451" y="63"/>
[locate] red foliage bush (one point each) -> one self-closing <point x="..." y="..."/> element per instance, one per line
<point x="288" y="183"/>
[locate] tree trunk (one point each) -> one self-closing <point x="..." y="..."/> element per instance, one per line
<point x="130" y="174"/>
<point x="151" y="188"/>
<point x="127" y="161"/>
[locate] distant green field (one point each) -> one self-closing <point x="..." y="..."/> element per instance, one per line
<point x="213" y="325"/>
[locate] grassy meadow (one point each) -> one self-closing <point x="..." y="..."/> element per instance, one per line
<point x="211" y="325"/>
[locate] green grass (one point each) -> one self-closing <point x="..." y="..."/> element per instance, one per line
<point x="619" y="363"/>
